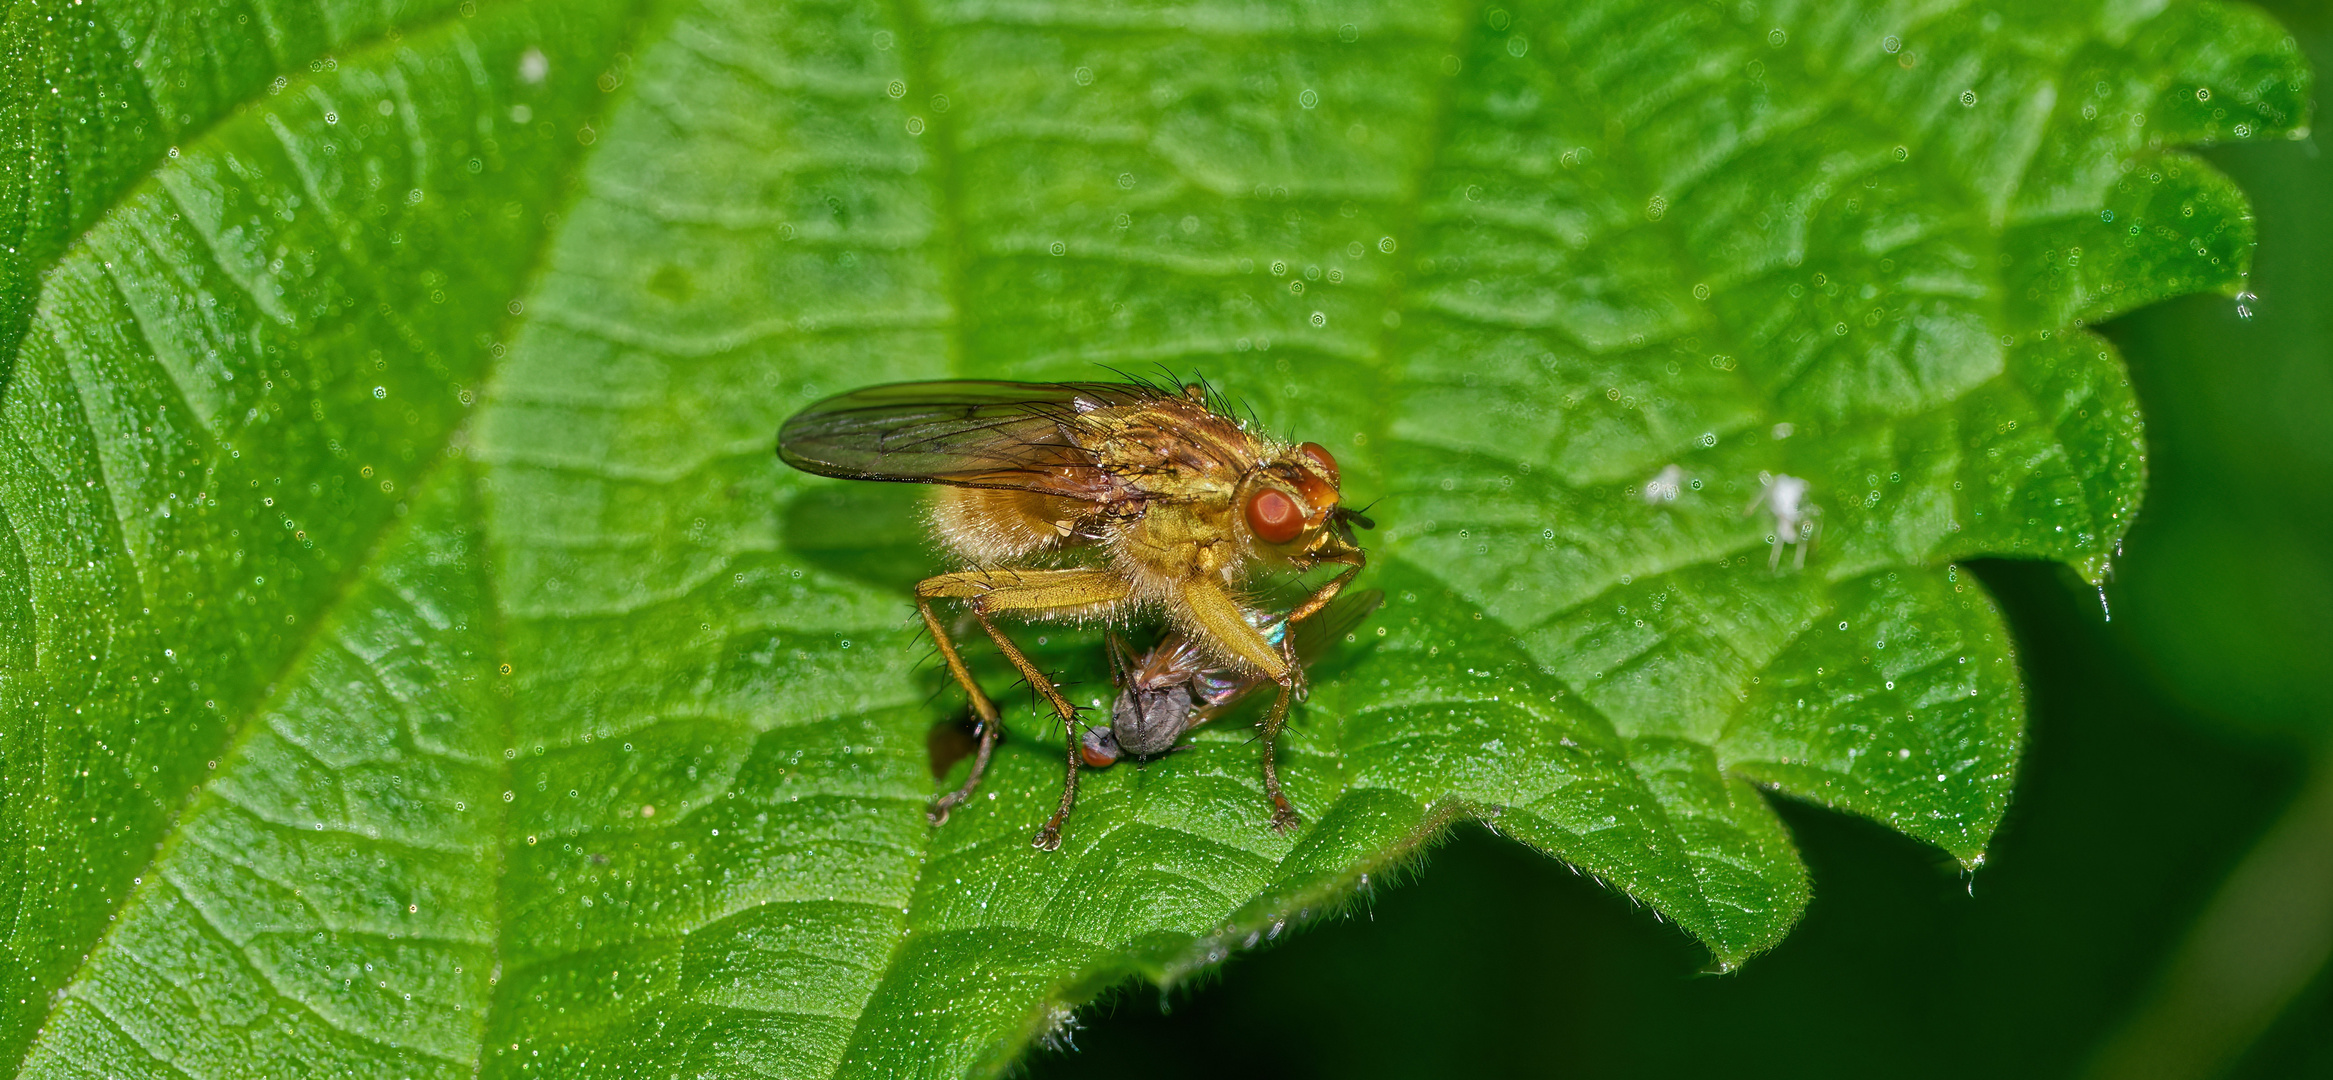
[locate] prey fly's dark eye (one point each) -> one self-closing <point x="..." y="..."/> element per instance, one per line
<point x="1275" y="518"/>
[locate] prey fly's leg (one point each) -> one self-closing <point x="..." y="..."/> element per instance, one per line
<point x="1066" y="592"/>
<point x="991" y="727"/>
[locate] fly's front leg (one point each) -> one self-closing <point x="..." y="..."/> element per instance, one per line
<point x="1328" y="591"/>
<point x="1291" y="690"/>
<point x="1314" y="605"/>
<point x="1283" y="811"/>
<point x="1218" y="616"/>
<point x="1035" y="592"/>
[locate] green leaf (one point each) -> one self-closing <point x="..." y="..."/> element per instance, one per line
<point x="96" y="95"/>
<point x="415" y="663"/>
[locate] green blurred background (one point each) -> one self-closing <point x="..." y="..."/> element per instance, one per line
<point x="2165" y="744"/>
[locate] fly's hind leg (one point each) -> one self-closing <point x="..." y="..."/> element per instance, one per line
<point x="991" y="727"/>
<point x="1033" y="592"/>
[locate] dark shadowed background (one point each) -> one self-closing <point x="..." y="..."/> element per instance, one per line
<point x="2164" y="745"/>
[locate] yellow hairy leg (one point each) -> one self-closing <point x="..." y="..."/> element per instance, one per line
<point x="1028" y="591"/>
<point x="1320" y="598"/>
<point x="1219" y="617"/>
<point x="991" y="727"/>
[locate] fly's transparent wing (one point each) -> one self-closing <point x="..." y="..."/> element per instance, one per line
<point x="1317" y="635"/>
<point x="966" y="433"/>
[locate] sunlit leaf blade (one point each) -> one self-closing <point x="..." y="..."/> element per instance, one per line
<point x="96" y="95"/>
<point x="207" y="448"/>
<point x="416" y="664"/>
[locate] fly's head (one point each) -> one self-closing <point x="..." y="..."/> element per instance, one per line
<point x="1290" y="507"/>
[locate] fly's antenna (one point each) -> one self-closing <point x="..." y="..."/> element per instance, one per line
<point x="1343" y="520"/>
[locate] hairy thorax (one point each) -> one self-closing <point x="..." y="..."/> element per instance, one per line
<point x="1158" y="503"/>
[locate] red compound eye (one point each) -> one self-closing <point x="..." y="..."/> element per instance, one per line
<point x="1321" y="454"/>
<point x="1275" y="518"/>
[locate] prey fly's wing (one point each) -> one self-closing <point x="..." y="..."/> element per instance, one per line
<point x="1317" y="635"/>
<point x="1314" y="638"/>
<point x="964" y="432"/>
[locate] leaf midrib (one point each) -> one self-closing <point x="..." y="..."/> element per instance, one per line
<point x="506" y="709"/>
<point x="916" y="43"/>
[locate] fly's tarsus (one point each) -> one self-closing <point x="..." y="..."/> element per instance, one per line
<point x="990" y="735"/>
